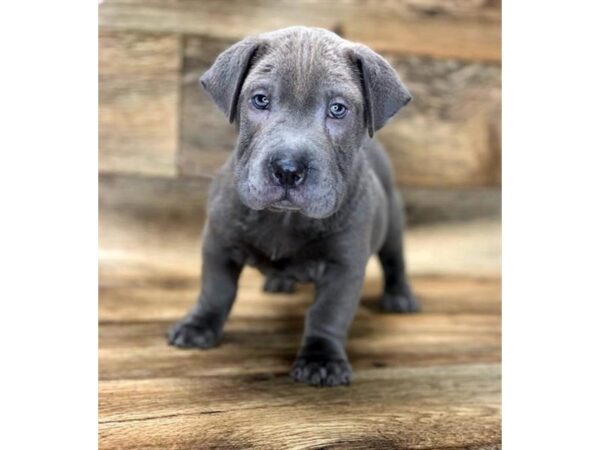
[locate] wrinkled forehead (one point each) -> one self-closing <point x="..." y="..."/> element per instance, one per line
<point x="304" y="68"/>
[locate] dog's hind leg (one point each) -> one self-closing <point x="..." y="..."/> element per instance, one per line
<point x="397" y="296"/>
<point x="277" y="283"/>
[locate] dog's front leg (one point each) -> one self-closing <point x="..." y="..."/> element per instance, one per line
<point x="322" y="359"/>
<point x="202" y="327"/>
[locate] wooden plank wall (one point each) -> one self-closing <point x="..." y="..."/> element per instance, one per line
<point x="139" y="102"/>
<point x="154" y="121"/>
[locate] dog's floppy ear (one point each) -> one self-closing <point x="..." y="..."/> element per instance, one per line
<point x="383" y="91"/>
<point x="224" y="80"/>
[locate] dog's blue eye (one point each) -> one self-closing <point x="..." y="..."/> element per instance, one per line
<point x="337" y="111"/>
<point x="260" y="101"/>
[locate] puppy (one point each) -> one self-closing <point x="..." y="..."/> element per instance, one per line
<point x="308" y="194"/>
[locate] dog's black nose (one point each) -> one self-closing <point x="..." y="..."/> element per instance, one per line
<point x="288" y="173"/>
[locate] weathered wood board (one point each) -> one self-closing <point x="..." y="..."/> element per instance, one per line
<point x="428" y="380"/>
<point x="385" y="408"/>
<point x="467" y="30"/>
<point x="139" y="91"/>
<point x="155" y="120"/>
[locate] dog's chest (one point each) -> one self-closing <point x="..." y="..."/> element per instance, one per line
<point x="284" y="244"/>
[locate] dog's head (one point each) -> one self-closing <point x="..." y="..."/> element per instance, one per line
<point x="304" y="99"/>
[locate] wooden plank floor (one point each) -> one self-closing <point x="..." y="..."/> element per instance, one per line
<point x="424" y="381"/>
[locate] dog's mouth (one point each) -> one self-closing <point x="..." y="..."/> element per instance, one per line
<point x="283" y="205"/>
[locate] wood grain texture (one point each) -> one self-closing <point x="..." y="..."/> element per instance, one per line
<point x="430" y="205"/>
<point x="461" y="325"/>
<point x="167" y="298"/>
<point x="207" y="138"/>
<point x="430" y="380"/>
<point x="154" y="120"/>
<point x="424" y="381"/>
<point x="467" y="30"/>
<point x="447" y="137"/>
<point x="401" y="408"/>
<point x="139" y="77"/>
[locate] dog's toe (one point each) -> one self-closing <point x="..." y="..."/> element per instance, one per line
<point x="321" y="372"/>
<point x="399" y="303"/>
<point x="191" y="335"/>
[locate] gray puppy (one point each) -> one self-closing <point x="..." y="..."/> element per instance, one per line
<point x="307" y="195"/>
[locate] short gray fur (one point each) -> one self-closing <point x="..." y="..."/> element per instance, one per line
<point x="305" y="197"/>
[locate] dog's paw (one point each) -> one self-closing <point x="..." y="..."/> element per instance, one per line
<point x="275" y="284"/>
<point x="193" y="334"/>
<point x="321" y="371"/>
<point x="400" y="303"/>
<point x="322" y="362"/>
